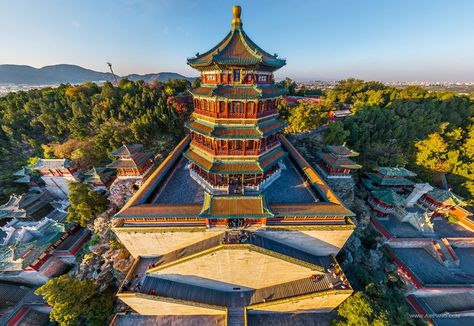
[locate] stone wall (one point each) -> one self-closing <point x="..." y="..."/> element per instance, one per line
<point x="147" y="243"/>
<point x="316" y="242"/>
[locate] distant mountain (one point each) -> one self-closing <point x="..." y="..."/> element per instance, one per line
<point x="64" y="73"/>
<point x="161" y="77"/>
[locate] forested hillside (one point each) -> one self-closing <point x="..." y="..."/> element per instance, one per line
<point x="84" y="123"/>
<point x="429" y="132"/>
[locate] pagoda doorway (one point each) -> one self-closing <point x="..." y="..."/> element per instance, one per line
<point x="234" y="223"/>
<point x="235" y="185"/>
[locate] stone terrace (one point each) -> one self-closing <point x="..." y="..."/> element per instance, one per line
<point x="180" y="188"/>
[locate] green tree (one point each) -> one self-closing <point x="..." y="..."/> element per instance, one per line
<point x="306" y="116"/>
<point x="289" y="85"/>
<point x="358" y="310"/>
<point x="76" y="302"/>
<point x="336" y="134"/>
<point x="85" y="203"/>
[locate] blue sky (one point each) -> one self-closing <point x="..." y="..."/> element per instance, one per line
<point x="385" y="40"/>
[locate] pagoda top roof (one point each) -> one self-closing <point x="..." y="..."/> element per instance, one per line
<point x="127" y="150"/>
<point x="446" y="197"/>
<point x="395" y="172"/>
<point x="236" y="49"/>
<point x="239" y="92"/>
<point x="389" y="197"/>
<point x="341" y="150"/>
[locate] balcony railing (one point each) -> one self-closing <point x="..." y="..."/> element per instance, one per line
<point x="235" y="115"/>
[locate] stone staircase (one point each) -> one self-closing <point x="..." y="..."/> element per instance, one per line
<point x="236" y="316"/>
<point x="451" y="261"/>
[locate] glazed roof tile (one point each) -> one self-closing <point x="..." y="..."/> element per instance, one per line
<point x="446" y="197"/>
<point x="395" y="172"/>
<point x="236" y="49"/>
<point x="389" y="197"/>
<point x="235" y="206"/>
<point x="389" y="181"/>
<point x="239" y="92"/>
<point x="236" y="166"/>
<point x="341" y="150"/>
<point x="126" y="150"/>
<point x="340" y="163"/>
<point x="131" y="162"/>
<point x="257" y="131"/>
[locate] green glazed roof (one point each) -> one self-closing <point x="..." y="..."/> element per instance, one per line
<point x="388" y="197"/>
<point x="446" y="197"/>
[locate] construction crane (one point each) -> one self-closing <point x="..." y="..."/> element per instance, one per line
<point x="113" y="74"/>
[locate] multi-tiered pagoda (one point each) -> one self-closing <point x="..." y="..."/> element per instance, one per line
<point x="234" y="222"/>
<point x="235" y="147"/>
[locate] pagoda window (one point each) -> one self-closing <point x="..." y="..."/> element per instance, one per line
<point x="262" y="78"/>
<point x="236" y="77"/>
<point x="237" y="108"/>
<point x="221" y="106"/>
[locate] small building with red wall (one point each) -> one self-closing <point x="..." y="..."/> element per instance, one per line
<point x="131" y="161"/>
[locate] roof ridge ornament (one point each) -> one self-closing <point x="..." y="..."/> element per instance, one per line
<point x="236" y="22"/>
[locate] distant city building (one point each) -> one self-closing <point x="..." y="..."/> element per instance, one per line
<point x="131" y="161"/>
<point x="56" y="173"/>
<point x="234" y="221"/>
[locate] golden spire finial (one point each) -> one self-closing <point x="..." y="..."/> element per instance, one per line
<point x="236" y="22"/>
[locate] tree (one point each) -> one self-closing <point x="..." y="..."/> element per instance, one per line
<point x="289" y="85"/>
<point x="85" y="203"/>
<point x="196" y="83"/>
<point x="358" y="310"/>
<point x="434" y="154"/>
<point x="306" y="116"/>
<point x="336" y="134"/>
<point x="75" y="302"/>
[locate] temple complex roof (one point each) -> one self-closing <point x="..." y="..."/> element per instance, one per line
<point x="236" y="49"/>
<point x="390" y="181"/>
<point x="388" y="197"/>
<point x="127" y="150"/>
<point x="339" y="162"/>
<point x="131" y="162"/>
<point x="341" y="150"/>
<point x="249" y="92"/>
<point x="261" y="130"/>
<point x="97" y="175"/>
<point x="446" y="197"/>
<point x="52" y="164"/>
<point x="395" y="172"/>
